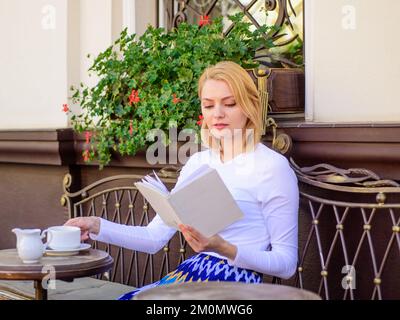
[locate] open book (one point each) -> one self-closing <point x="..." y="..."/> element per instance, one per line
<point x="202" y="201"/>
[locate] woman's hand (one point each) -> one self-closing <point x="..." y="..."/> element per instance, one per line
<point x="199" y="242"/>
<point x="86" y="224"/>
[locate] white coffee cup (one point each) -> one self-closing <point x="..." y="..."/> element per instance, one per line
<point x="63" y="237"/>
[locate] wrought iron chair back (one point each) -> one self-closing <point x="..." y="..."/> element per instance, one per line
<point x="117" y="199"/>
<point x="349" y="233"/>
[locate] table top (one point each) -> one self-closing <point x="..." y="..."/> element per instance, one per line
<point x="225" y="290"/>
<point x="86" y="263"/>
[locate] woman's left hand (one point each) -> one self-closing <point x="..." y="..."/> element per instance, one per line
<point x="198" y="242"/>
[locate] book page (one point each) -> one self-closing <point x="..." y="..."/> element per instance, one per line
<point x="159" y="180"/>
<point x="202" y="201"/>
<point x="160" y="203"/>
<point x="200" y="171"/>
<point x="206" y="204"/>
<point x="160" y="186"/>
<point x="155" y="183"/>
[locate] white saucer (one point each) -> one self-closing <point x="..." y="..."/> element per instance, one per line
<point x="67" y="252"/>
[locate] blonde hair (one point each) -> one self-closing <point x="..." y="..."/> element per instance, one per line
<point x="246" y="96"/>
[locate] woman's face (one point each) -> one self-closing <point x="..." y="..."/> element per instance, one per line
<point x="221" y="112"/>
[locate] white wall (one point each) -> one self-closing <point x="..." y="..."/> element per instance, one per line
<point x="95" y="33"/>
<point x="353" y="69"/>
<point x="43" y="51"/>
<point x="145" y="14"/>
<point x="353" y="72"/>
<point x="33" y="54"/>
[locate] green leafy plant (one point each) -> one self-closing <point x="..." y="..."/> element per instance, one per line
<point x="151" y="83"/>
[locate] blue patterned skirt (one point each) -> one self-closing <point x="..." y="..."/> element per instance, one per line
<point x="202" y="267"/>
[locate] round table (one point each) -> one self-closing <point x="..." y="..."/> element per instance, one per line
<point x="225" y="290"/>
<point x="87" y="263"/>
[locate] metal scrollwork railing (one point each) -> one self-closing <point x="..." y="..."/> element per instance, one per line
<point x="358" y="176"/>
<point x="351" y="223"/>
<point x="285" y="15"/>
<point x="280" y="142"/>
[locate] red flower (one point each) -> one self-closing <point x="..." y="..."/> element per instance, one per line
<point x="65" y="107"/>
<point x="134" y="97"/>
<point x="130" y="127"/>
<point x="88" y="135"/>
<point x="204" y="20"/>
<point x="175" y="100"/>
<point x="200" y="122"/>
<point x="86" y="155"/>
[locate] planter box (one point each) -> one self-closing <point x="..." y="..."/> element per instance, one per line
<point x="285" y="88"/>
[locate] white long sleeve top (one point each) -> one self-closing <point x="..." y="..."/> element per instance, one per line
<point x="264" y="187"/>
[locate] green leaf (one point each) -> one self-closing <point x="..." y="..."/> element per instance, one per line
<point x="158" y="65"/>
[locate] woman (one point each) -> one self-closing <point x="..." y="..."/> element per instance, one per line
<point x="260" y="180"/>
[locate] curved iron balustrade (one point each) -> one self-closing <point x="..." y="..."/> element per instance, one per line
<point x="350" y="204"/>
